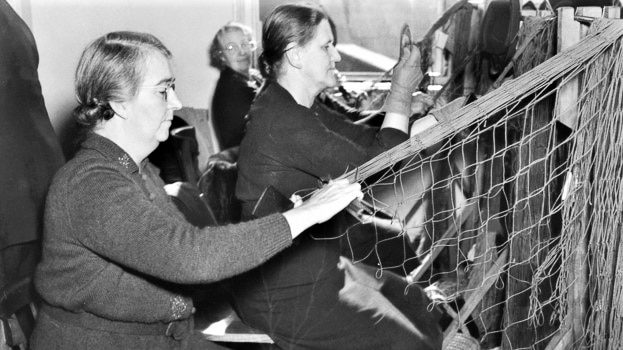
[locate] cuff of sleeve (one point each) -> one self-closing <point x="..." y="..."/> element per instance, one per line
<point x="275" y="234"/>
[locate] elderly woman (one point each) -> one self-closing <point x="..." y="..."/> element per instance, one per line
<point x="308" y="297"/>
<point x="116" y="251"/>
<point x="231" y="52"/>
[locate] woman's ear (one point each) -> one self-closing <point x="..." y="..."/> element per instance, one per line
<point x="293" y="55"/>
<point x="119" y="109"/>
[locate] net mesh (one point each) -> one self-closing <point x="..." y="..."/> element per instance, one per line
<point x="513" y="214"/>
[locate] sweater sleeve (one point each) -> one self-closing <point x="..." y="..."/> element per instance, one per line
<point x="125" y="226"/>
<point x="326" y="145"/>
<point x="230" y="105"/>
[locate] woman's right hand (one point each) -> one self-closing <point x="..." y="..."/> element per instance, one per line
<point x="322" y="205"/>
<point x="406" y="77"/>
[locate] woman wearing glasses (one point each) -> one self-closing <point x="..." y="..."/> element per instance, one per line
<point x="231" y="52"/>
<point x="116" y="251"/>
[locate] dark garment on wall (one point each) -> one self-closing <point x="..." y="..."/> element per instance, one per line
<point x="30" y="153"/>
<point x="308" y="296"/>
<point x="232" y="98"/>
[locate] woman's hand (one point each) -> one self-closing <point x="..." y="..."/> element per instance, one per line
<point x="405" y="80"/>
<point x="406" y="77"/>
<point x="421" y="103"/>
<point x="322" y="205"/>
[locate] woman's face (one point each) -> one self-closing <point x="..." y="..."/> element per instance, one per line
<point x="318" y="58"/>
<point x="150" y="111"/>
<point x="236" y="48"/>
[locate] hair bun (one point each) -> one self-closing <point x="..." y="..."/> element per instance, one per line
<point x="266" y="68"/>
<point x="88" y="114"/>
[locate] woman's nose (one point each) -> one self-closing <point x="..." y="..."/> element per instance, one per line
<point x="242" y="52"/>
<point x="335" y="55"/>
<point x="173" y="101"/>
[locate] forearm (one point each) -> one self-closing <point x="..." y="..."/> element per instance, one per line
<point x="131" y="230"/>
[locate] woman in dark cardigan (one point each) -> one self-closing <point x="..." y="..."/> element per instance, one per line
<point x="309" y="297"/>
<point x="116" y="250"/>
<point x="231" y="52"/>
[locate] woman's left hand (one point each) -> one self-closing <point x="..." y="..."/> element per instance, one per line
<point x="421" y="103"/>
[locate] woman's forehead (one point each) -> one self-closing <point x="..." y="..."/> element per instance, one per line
<point x="233" y="35"/>
<point x="323" y="32"/>
<point x="157" y="69"/>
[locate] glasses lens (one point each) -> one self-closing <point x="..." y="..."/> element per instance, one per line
<point x="250" y="46"/>
<point x="253" y="45"/>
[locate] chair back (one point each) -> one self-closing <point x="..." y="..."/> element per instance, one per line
<point x="218" y="185"/>
<point x="18" y="312"/>
<point x="186" y="148"/>
<point x="191" y="203"/>
<point x="206" y="137"/>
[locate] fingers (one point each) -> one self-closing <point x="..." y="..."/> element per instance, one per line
<point x="421" y="103"/>
<point x="344" y="188"/>
<point x="413" y="58"/>
<point x="405" y="42"/>
<point x="426" y="99"/>
<point x="297" y="200"/>
<point x="405" y="53"/>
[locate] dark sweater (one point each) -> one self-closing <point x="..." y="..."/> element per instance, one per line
<point x="293" y="149"/>
<point x="307" y="297"/>
<point x="112" y="238"/>
<point x="232" y="98"/>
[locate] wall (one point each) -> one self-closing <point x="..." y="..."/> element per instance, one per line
<point x="63" y="28"/>
<point x="373" y="24"/>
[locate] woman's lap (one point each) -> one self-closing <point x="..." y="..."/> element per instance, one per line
<point x="50" y="334"/>
<point x="351" y="310"/>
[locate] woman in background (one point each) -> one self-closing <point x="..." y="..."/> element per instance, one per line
<point x="116" y="251"/>
<point x="231" y="52"/>
<point x="308" y="297"/>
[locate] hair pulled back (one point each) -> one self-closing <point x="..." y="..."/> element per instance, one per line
<point x="215" y="49"/>
<point x="110" y="70"/>
<point x="290" y="23"/>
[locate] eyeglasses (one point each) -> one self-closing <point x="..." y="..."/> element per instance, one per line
<point x="166" y="89"/>
<point x="249" y="46"/>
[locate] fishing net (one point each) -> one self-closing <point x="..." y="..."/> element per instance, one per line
<point x="513" y="204"/>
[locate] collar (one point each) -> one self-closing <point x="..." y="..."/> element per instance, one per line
<point x="253" y="80"/>
<point x="275" y="92"/>
<point x="111" y="151"/>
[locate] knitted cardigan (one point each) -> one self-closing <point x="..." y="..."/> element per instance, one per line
<point x="112" y="238"/>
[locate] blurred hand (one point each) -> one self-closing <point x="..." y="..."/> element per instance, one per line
<point x="408" y="71"/>
<point x="421" y="103"/>
<point x="405" y="80"/>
